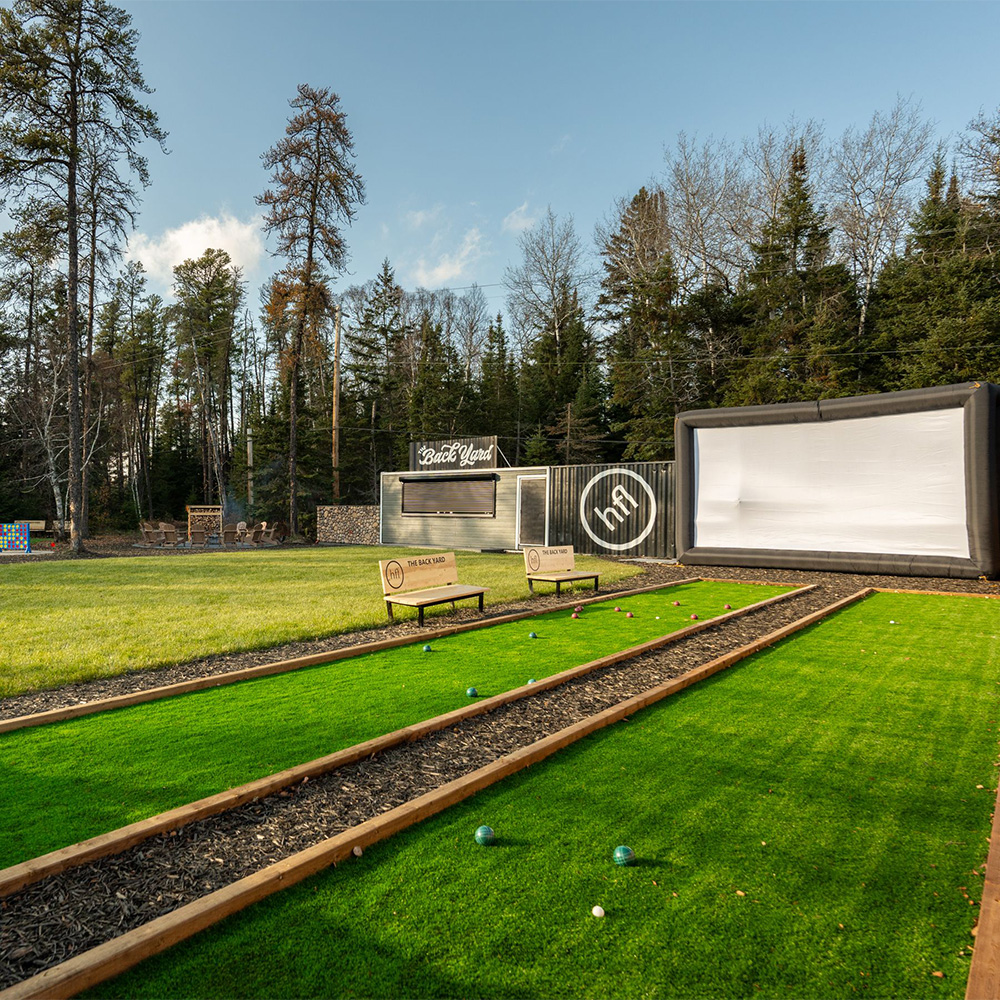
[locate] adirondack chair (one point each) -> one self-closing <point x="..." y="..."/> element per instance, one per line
<point x="169" y="534"/>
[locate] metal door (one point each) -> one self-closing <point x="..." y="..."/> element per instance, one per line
<point x="532" y="510"/>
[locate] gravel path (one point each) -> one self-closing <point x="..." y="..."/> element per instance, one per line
<point x="67" y="913"/>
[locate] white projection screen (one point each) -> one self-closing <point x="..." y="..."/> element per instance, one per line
<point x="898" y="483"/>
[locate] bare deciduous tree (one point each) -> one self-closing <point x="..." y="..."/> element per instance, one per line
<point x="872" y="171"/>
<point x="551" y="263"/>
<point x="708" y="198"/>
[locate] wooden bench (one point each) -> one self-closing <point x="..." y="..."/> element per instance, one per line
<point x="553" y="565"/>
<point x="422" y="581"/>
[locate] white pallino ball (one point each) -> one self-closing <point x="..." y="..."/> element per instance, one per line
<point x="598" y="911"/>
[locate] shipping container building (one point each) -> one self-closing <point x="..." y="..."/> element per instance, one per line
<point x="624" y="509"/>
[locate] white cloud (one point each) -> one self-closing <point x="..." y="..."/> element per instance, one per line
<point x="450" y="266"/>
<point x="560" y="144"/>
<point x="159" y="255"/>
<point x="519" y="220"/>
<point x="421" y="217"/>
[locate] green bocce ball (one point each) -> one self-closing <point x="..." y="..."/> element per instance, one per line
<point x="485" y="836"/>
<point x="624" y="855"/>
<point x="471" y="693"/>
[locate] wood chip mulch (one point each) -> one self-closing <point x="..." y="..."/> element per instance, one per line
<point x="65" y="914"/>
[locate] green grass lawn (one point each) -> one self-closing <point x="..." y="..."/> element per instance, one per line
<point x="71" y="780"/>
<point x="71" y="621"/>
<point x="808" y="824"/>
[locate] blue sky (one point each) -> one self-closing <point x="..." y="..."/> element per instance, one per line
<point x="471" y="118"/>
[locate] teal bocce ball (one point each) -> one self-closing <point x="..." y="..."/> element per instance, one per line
<point x="485" y="836"/>
<point x="427" y="649"/>
<point x="471" y="693"/>
<point x="624" y="855"/>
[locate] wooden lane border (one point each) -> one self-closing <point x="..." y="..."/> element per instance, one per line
<point x="984" y="970"/>
<point x="932" y="593"/>
<point x="122" y="953"/>
<point x="315" y="659"/>
<point x="27" y="872"/>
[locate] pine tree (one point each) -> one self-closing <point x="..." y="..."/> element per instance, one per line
<point x="937" y="307"/>
<point x="378" y="426"/>
<point x="316" y="191"/>
<point x="648" y="353"/>
<point x="209" y="292"/>
<point x="802" y="340"/>
<point x="499" y="402"/>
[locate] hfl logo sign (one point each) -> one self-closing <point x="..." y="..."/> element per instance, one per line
<point x="622" y="505"/>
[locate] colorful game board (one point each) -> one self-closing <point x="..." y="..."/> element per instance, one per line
<point x="16" y="537"/>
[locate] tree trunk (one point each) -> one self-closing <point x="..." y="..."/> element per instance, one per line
<point x="88" y="375"/>
<point x="75" y="485"/>
<point x="293" y="431"/>
<point x="336" y="409"/>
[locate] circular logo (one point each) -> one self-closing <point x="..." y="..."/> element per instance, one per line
<point x="533" y="560"/>
<point x="394" y="575"/>
<point x="618" y="514"/>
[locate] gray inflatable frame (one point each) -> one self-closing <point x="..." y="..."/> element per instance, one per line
<point x="979" y="401"/>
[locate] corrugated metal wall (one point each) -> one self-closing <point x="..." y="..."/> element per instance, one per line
<point x="622" y="510"/>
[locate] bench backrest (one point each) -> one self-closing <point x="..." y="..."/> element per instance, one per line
<point x="417" y="572"/>
<point x="555" y="559"/>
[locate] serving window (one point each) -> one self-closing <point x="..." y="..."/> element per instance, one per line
<point x="451" y="496"/>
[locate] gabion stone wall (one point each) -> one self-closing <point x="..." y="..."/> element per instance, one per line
<point x="347" y="525"/>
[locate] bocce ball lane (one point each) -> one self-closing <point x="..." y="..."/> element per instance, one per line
<point x="116" y="956"/>
<point x="284" y="666"/>
<point x="984" y="969"/>
<point x="20" y="875"/>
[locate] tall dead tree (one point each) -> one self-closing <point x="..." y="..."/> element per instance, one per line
<point x="316" y="189"/>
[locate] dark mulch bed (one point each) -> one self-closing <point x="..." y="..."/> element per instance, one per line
<point x="75" y="910"/>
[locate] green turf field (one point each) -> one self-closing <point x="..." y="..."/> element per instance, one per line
<point x="71" y="780"/>
<point x="809" y="823"/>
<point x="69" y="621"/>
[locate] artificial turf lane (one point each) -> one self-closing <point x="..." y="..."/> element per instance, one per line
<point x="72" y="780"/>
<point x="809" y="823"/>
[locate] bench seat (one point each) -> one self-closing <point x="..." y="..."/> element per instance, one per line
<point x="566" y="576"/>
<point x="421" y="599"/>
<point x="554" y="564"/>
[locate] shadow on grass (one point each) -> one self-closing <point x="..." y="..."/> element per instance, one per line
<point x="304" y="953"/>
